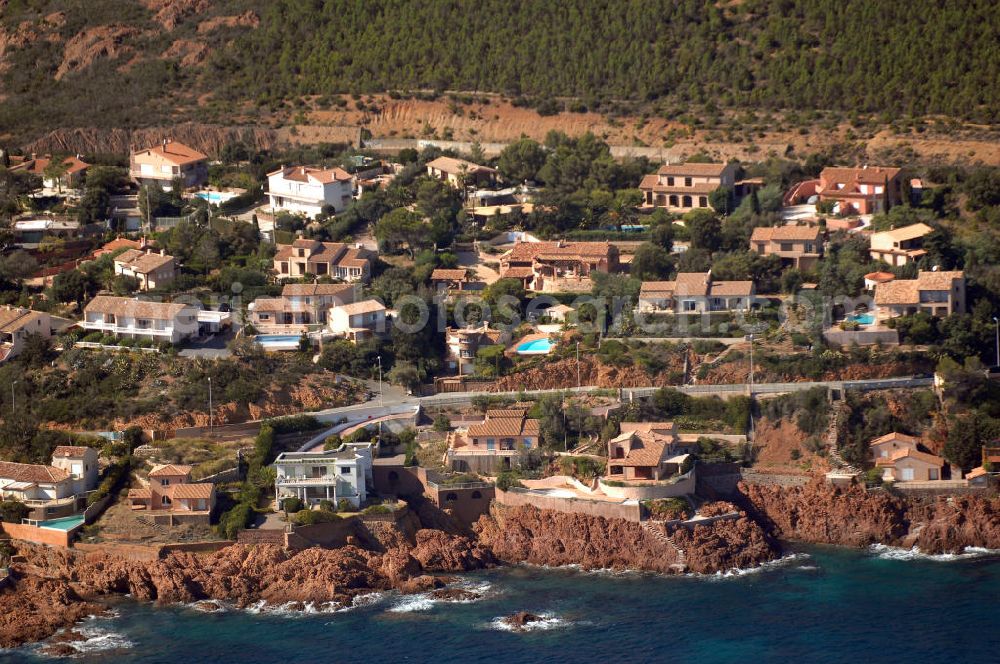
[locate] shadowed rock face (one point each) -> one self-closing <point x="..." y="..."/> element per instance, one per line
<point x="822" y="514"/>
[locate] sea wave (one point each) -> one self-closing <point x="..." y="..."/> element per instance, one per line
<point x="426" y="601"/>
<point x="740" y="572"/>
<point x="896" y="553"/>
<point x="96" y="639"/>
<point x="548" y="621"/>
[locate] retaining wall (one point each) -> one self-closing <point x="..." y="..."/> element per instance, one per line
<point x="28" y="533"/>
<point x="677" y="489"/>
<point x="609" y="510"/>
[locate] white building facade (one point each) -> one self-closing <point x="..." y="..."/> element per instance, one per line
<point x="306" y="191"/>
<point x="344" y="473"/>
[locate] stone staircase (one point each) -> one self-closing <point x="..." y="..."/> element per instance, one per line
<point x="832" y="436"/>
<point x="659" y="533"/>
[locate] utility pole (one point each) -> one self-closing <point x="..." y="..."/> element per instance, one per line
<point x="12" y="398"/>
<point x="996" y="323"/>
<point x="381" y="400"/>
<point x="210" y="422"/>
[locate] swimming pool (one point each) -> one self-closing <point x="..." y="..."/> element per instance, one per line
<point x="66" y="523"/>
<point x="278" y="341"/>
<point x="862" y="319"/>
<point x="535" y="347"/>
<point x="215" y="197"/>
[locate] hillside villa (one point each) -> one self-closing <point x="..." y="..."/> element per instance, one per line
<point x="852" y="191"/>
<point x="936" y="293"/>
<point x="72" y="171"/>
<point x="899" y="246"/>
<point x="171" y="490"/>
<point x="320" y="259"/>
<point x="55" y="490"/>
<point x="797" y="246"/>
<point x="152" y="270"/>
<point x="16" y="325"/>
<point x="695" y="292"/>
<point x="559" y="266"/>
<point x="359" y="320"/>
<point x="683" y="187"/>
<point x="444" y="279"/>
<point x="896" y="454"/>
<point x="140" y="319"/>
<point x="341" y="474"/>
<point x="460" y="173"/>
<point x="463" y="344"/>
<point x="120" y="243"/>
<point x="504" y="439"/>
<point x="306" y="191"/>
<point x="646" y="451"/>
<point x="299" y="307"/>
<point x="161" y="164"/>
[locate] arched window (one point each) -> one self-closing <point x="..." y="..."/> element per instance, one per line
<point x="702" y="201"/>
<point x="686" y="201"/>
<point x="673" y="200"/>
<point x="476" y="495"/>
<point x="451" y="497"/>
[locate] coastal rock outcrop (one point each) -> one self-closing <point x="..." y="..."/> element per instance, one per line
<point x="34" y="608"/>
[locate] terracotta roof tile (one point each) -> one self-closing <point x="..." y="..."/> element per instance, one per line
<point x="192" y="491"/>
<point x="32" y="472"/>
<point x="170" y="469"/>
<point x="70" y="451"/>
<point x="176" y="153"/>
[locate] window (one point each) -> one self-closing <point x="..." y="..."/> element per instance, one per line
<point x="703" y="201"/>
<point x="670" y="182"/>
<point x="264" y="316"/>
<point x="527" y="443"/>
<point x="345" y="470"/>
<point x="688" y="305"/>
<point x="164" y="482"/>
<point x="687" y="182"/>
<point x="932" y="474"/>
<point x="907" y="474"/>
<point x="786" y="246"/>
<point x="165" y="500"/>
<point x="491" y="443"/>
<point x="451" y="497"/>
<point x="476" y="495"/>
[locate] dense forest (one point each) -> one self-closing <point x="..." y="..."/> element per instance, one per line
<point x="914" y="58"/>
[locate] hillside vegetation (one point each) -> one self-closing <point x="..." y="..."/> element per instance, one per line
<point x="136" y="62"/>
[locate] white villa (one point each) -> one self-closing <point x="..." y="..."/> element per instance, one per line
<point x="344" y="473"/>
<point x="55" y="490"/>
<point x="151" y="269"/>
<point x="132" y="318"/>
<point x="306" y="191"/>
<point x="358" y="320"/>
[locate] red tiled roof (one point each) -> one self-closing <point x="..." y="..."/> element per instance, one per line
<point x="307" y="173"/>
<point x="70" y="451"/>
<point x="870" y="175"/>
<point x="170" y="469"/>
<point x="785" y="233"/>
<point x="524" y="252"/>
<point x="692" y="169"/>
<point x="189" y="491"/>
<point x="31" y="472"/>
<point x="176" y="153"/>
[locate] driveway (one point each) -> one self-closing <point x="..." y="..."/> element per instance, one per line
<point x="213" y="347"/>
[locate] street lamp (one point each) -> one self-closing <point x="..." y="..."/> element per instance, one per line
<point x="210" y="427"/>
<point x="381" y="399"/>
<point x="996" y="323"/>
<point x="12" y="397"/>
<point x="578" y="365"/>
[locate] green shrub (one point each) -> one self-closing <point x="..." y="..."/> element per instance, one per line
<point x="94" y="338"/>
<point x="235" y="520"/>
<point x="509" y="479"/>
<point x="309" y="517"/>
<point x="377" y="509"/>
<point x="667" y="509"/>
<point x="12" y="511"/>
<point x="109" y="340"/>
<point x="344" y="505"/>
<point x="327" y="505"/>
<point x="442" y="423"/>
<point x="292" y="504"/>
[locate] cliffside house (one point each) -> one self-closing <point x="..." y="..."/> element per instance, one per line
<point x="504" y="440"/>
<point x="16" y="325"/>
<point x="885" y="446"/>
<point x="873" y="279"/>
<point x="646" y="451"/>
<point x="695" y="292"/>
<point x="152" y="270"/>
<point x="460" y="173"/>
<point x="320" y="259"/>
<point x="865" y="190"/>
<point x="359" y="320"/>
<point x="139" y="319"/>
<point x="910" y="465"/>
<point x="684" y="187"/>
<point x="306" y="191"/>
<point x="343" y="473"/>
<point x="300" y="307"/>
<point x="72" y="171"/>
<point x="171" y="489"/>
<point x="463" y="344"/>
<point x="936" y="293"/>
<point x="899" y="246"/>
<point x="55" y="490"/>
<point x="797" y="246"/>
<point x="559" y="266"/>
<point x="161" y="164"/>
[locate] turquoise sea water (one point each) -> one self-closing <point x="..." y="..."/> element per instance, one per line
<point x="821" y="605"/>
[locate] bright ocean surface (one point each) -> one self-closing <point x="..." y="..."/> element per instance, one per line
<point x="820" y="605"/>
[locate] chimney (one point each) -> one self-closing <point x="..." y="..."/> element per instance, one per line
<point x="163" y="252"/>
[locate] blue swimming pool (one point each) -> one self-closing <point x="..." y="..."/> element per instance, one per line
<point x="66" y="523"/>
<point x="215" y="197"/>
<point x="862" y="319"/>
<point x="278" y="341"/>
<point x="535" y="347"/>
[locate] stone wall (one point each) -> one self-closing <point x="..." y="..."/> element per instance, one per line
<point x="603" y="508"/>
<point x="652" y="491"/>
<point x="50" y="536"/>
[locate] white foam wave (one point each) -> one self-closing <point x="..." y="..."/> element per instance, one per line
<point x="413" y="603"/>
<point x="96" y="639"/>
<point x="548" y="621"/>
<point x="896" y="553"/>
<point x="747" y="571"/>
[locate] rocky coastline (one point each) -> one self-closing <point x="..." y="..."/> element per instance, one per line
<point x="53" y="589"/>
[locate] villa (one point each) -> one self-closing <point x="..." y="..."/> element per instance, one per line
<point x="504" y="439"/>
<point x="151" y="270"/>
<point x="695" y="292"/>
<point x="900" y="246"/>
<point x="900" y="460"/>
<point x="460" y="173"/>
<point x="171" y="490"/>
<point x="646" y="451"/>
<point x="307" y="191"/>
<point x="936" y="293"/>
<point x="559" y="266"/>
<point x="52" y="491"/>
<point x="684" y="187"/>
<point x="797" y="246"/>
<point x="359" y="320"/>
<point x="162" y="164"/>
<point x="299" y="307"/>
<point x="71" y="171"/>
<point x="443" y="279"/>
<point x="16" y="325"/>
<point x="464" y="343"/>
<point x="341" y="474"/>
<point x="866" y="190"/>
<point x="140" y="319"/>
<point x="320" y="259"/>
